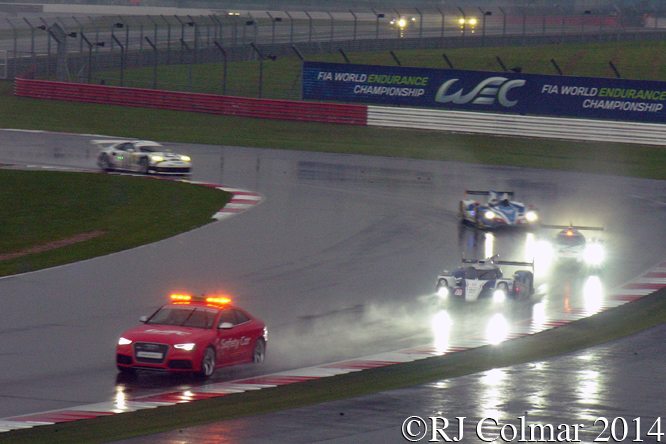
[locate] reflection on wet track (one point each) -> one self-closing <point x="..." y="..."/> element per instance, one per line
<point x="340" y="260"/>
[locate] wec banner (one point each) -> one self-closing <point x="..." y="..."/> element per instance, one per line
<point x="596" y="98"/>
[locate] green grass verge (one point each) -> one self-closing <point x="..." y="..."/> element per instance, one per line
<point x="39" y="207"/>
<point x="630" y="318"/>
<point x="175" y="126"/>
<point x="638" y="60"/>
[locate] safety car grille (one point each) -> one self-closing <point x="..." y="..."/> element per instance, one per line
<point x="150" y="352"/>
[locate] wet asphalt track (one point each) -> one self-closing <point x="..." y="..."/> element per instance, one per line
<point x="340" y="261"/>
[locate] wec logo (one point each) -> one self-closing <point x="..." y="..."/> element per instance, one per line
<point x="484" y="93"/>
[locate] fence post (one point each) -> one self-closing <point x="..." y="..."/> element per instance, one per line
<point x="155" y="62"/>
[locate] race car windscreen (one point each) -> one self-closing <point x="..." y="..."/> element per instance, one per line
<point x="154" y="149"/>
<point x="474" y="273"/>
<point x="571" y="241"/>
<point x="195" y="317"/>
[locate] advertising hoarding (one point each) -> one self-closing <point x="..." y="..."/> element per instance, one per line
<point x="507" y="92"/>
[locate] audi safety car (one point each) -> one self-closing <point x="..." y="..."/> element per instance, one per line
<point x="142" y="156"/>
<point x="570" y="247"/>
<point x="500" y="210"/>
<point x="483" y="279"/>
<point x="193" y="334"/>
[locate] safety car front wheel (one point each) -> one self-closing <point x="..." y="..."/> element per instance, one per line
<point x="207" y="363"/>
<point x="259" y="353"/>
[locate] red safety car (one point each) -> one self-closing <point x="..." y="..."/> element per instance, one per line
<point x="193" y="334"/>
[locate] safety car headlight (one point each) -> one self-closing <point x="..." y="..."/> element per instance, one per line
<point x="531" y="216"/>
<point x="188" y="347"/>
<point x="499" y="296"/>
<point x="124" y="341"/>
<point x="156" y="158"/>
<point x="594" y="254"/>
<point x="489" y="215"/>
<point x="185" y="158"/>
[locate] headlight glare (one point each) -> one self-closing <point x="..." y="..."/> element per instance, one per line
<point x="185" y="158"/>
<point x="156" y="158"/>
<point x="489" y="215"/>
<point x="594" y="254"/>
<point x="187" y="347"/>
<point x="499" y="296"/>
<point x="124" y="341"/>
<point x="531" y="216"/>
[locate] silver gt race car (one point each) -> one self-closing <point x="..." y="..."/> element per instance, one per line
<point x="483" y="279"/>
<point x="500" y="210"/>
<point x="569" y="246"/>
<point x="142" y="156"/>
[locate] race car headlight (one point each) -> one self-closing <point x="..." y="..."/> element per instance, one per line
<point x="531" y="216"/>
<point x="489" y="215"/>
<point x="124" y="341"/>
<point x="402" y="23"/>
<point x="187" y="347"/>
<point x="594" y="254"/>
<point x="443" y="292"/>
<point x="499" y="296"/>
<point x="156" y="158"/>
<point x="185" y="158"/>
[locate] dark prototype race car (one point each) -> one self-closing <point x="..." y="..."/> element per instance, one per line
<point x="193" y="334"/>
<point x="483" y="279"/>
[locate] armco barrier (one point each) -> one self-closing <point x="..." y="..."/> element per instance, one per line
<point x="411" y="118"/>
<point x="192" y="102"/>
<point x="516" y="125"/>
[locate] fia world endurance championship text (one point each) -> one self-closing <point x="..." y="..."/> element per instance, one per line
<point x="602" y="429"/>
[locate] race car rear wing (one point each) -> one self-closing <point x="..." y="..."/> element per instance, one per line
<point x="487" y="193"/>
<point x="102" y="143"/>
<point x="572" y="227"/>
<point x="495" y="260"/>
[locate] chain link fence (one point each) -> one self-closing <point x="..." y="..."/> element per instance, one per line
<point x="101" y="49"/>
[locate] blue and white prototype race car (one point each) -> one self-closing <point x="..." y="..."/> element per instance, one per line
<point x="483" y="279"/>
<point x="500" y="210"/>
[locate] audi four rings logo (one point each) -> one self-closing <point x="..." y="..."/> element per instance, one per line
<point x="484" y="93"/>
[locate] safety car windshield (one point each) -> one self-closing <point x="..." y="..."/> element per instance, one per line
<point x="197" y="317"/>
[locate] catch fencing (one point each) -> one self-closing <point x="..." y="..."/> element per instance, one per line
<point x="97" y="44"/>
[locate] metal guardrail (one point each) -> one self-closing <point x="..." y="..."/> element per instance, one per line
<point x="518" y="126"/>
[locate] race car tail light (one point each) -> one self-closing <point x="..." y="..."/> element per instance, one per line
<point x="181" y="297"/>
<point x="569" y="233"/>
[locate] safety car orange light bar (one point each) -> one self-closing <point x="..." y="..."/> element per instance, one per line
<point x="181" y="297"/>
<point x="218" y="300"/>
